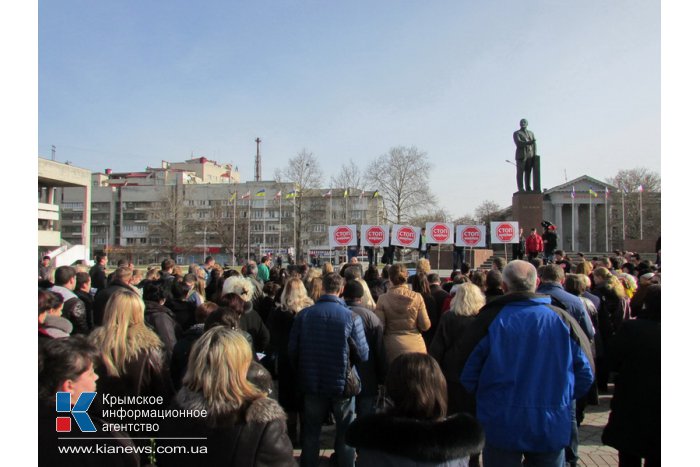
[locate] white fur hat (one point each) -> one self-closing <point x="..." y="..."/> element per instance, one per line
<point x="239" y="286"/>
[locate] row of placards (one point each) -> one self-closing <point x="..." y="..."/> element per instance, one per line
<point x="408" y="236"/>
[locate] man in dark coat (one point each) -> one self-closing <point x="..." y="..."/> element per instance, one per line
<point x="319" y="345"/>
<point x="121" y="279"/>
<point x="73" y="307"/>
<point x="438" y="293"/>
<point x="82" y="290"/>
<point x="98" y="277"/>
<point x="549" y="239"/>
<point x="373" y="371"/>
<point x="634" y="424"/>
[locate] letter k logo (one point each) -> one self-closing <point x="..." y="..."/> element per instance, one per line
<point x="79" y="411"/>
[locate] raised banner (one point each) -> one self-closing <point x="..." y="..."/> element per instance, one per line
<point x="374" y="235"/>
<point x="406" y="236"/>
<point x="439" y="232"/>
<point x="473" y="236"/>
<point x="342" y="235"/>
<point x="505" y="232"/>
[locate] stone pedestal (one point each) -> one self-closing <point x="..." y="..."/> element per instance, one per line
<point x="527" y="210"/>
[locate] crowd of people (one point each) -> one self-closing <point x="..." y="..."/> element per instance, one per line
<point x="487" y="367"/>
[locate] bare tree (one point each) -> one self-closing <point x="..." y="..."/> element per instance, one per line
<point x="434" y="215"/>
<point x="305" y="172"/>
<point x="630" y="180"/>
<point x="465" y="220"/>
<point x="401" y="176"/>
<point x="171" y="220"/>
<point x="350" y="176"/>
<point x="484" y="213"/>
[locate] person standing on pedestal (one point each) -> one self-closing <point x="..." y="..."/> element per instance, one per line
<point x="526" y="149"/>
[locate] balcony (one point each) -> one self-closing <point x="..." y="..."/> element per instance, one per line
<point x="48" y="211"/>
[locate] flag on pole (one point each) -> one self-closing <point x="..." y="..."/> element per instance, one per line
<point x="246" y="195"/>
<point x="573" y="192"/>
<point x="591" y="192"/>
<point x="328" y="195"/>
<point x="345" y="195"/>
<point x="261" y="192"/>
<point x="640" y="188"/>
<point x="362" y="194"/>
<point x="291" y="194"/>
<point x="278" y="195"/>
<point x="376" y="194"/>
<point x="233" y="196"/>
<point x="607" y="192"/>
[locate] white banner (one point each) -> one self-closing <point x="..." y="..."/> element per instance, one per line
<point x="439" y="232"/>
<point x="342" y="235"/>
<point x="406" y="236"/>
<point x="505" y="232"/>
<point x="374" y="235"/>
<point x="473" y="236"/>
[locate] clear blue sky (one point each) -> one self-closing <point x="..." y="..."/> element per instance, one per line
<point x="126" y="84"/>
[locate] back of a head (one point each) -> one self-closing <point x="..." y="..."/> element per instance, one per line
<point x="499" y="263"/>
<point x="327" y="268"/>
<point x="423" y="265"/>
<point x="63" y="275"/>
<point x="167" y="264"/>
<point x="332" y="283"/>
<point x="371" y="274"/>
<point x="124" y="308"/>
<point x="352" y="272"/>
<point x="353" y="290"/>
<point x="520" y="276"/>
<point x="122" y="274"/>
<point x="434" y="278"/>
<point x="228" y="314"/>
<point x="494" y="279"/>
<point x="217" y="368"/>
<point x="48" y="300"/>
<point x="420" y="284"/>
<point x="123" y="263"/>
<point x="551" y="273"/>
<point x="468" y="300"/>
<point x="204" y="310"/>
<point x="153" y="292"/>
<point x="417" y="387"/>
<point x="575" y="284"/>
<point x="398" y="274"/>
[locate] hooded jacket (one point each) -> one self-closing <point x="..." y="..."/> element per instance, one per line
<point x="403" y="314"/>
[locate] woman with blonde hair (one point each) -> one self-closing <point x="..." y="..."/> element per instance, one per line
<point x="133" y="359"/>
<point x="242" y="425"/>
<point x="366" y="301"/>
<point x="292" y="300"/>
<point x="403" y="315"/>
<point x="446" y="349"/>
<point x="613" y="301"/>
<point x="327" y="268"/>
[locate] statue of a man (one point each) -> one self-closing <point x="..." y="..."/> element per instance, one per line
<point x="525" y="151"/>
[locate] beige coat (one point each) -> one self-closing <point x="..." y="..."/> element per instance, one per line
<point x="403" y="315"/>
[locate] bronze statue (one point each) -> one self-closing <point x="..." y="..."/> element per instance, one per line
<point x="526" y="149"/>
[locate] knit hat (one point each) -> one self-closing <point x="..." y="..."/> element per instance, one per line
<point x="239" y="286"/>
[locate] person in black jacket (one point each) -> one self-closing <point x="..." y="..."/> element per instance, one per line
<point x="242" y="427"/>
<point x="415" y="430"/>
<point x="634" y="423"/>
<point x="373" y="371"/>
<point x="181" y="351"/>
<point x="73" y="307"/>
<point x="250" y="320"/>
<point x="82" y="290"/>
<point x="97" y="272"/>
<point x="121" y="279"/>
<point x="159" y="317"/>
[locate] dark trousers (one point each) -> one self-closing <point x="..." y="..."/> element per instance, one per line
<point x="524" y="167"/>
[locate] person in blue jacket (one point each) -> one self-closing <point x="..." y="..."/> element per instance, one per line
<point x="529" y="362"/>
<point x="319" y="348"/>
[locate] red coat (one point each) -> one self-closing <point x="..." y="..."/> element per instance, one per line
<point x="533" y="244"/>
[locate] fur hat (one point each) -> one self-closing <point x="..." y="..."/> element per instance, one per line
<point x="239" y="286"/>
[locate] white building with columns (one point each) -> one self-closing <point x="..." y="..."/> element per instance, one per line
<point x="585" y="217"/>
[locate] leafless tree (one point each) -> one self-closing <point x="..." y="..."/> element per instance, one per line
<point x="305" y="172"/>
<point x="631" y="179"/>
<point x="402" y="178"/>
<point x="172" y="219"/>
<point x="485" y="211"/>
<point x="628" y="182"/>
<point x="349" y="176"/>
